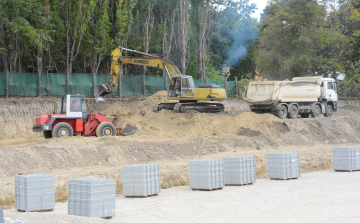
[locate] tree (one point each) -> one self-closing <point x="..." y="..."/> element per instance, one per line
<point x="181" y="34"/>
<point x="76" y="15"/>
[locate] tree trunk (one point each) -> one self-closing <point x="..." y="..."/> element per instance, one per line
<point x="182" y="36"/>
<point x="39" y="68"/>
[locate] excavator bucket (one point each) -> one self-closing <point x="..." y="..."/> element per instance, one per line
<point x="125" y="129"/>
<point x="100" y="91"/>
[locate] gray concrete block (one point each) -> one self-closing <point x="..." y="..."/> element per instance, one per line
<point x="346" y="158"/>
<point x="239" y="170"/>
<point x="206" y="174"/>
<point x="2" y="216"/>
<point x="34" y="192"/>
<point x="90" y="197"/>
<point x="283" y="165"/>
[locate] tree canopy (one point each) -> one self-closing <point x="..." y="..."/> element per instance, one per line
<point x="293" y="37"/>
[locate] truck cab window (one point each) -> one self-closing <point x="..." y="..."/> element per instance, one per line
<point x="331" y="85"/>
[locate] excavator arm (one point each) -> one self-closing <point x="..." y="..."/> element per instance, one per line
<point x="149" y="60"/>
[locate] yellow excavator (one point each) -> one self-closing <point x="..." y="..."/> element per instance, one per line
<point x="181" y="87"/>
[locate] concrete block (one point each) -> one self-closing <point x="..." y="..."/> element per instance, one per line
<point x="92" y="196"/>
<point x="34" y="192"/>
<point x="283" y="165"/>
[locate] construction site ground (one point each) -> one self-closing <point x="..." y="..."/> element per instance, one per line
<point x="172" y="140"/>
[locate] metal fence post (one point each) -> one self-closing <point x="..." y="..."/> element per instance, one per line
<point x="206" y="80"/>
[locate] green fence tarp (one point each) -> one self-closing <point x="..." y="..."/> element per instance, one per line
<point x="54" y="84"/>
<point x="2" y="83"/>
<point x="22" y="84"/>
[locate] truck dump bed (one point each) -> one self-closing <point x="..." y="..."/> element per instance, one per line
<point x="269" y="92"/>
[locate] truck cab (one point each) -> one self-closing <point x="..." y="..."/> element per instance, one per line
<point x="329" y="91"/>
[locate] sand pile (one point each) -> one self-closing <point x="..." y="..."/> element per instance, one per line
<point x="167" y="124"/>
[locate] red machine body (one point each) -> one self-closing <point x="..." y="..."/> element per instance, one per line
<point x="46" y="122"/>
<point x="71" y="118"/>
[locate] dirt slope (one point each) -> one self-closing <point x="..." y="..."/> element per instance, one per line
<point x="165" y="137"/>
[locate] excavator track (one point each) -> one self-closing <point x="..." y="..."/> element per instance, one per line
<point x="190" y="106"/>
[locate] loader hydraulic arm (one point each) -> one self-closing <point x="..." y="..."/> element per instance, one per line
<point x="117" y="60"/>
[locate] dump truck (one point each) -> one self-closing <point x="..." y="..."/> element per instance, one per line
<point x="302" y="96"/>
<point x="70" y="118"/>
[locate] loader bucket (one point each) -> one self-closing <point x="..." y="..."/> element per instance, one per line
<point x="100" y="91"/>
<point x="125" y="129"/>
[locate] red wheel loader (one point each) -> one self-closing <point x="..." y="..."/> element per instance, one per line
<point x="70" y="118"/>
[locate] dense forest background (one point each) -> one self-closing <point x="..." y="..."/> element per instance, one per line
<point x="204" y="38"/>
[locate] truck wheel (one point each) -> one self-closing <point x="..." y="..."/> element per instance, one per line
<point x="47" y="134"/>
<point x="305" y="115"/>
<point x="316" y="112"/>
<point x="329" y="111"/>
<point x="294" y="112"/>
<point x="62" y="129"/>
<point x="105" y="129"/>
<point x="282" y="113"/>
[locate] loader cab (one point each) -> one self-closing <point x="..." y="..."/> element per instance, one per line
<point x="181" y="87"/>
<point x="73" y="106"/>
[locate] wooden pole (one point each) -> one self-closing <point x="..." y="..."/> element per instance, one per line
<point x="94" y="80"/>
<point x="165" y="79"/>
<point x="68" y="82"/>
<point x="47" y="82"/>
<point x="236" y="88"/>
<point x="120" y="85"/>
<point x="39" y="83"/>
<point x="206" y="80"/>
<point x="225" y="82"/>
<point x="7" y="83"/>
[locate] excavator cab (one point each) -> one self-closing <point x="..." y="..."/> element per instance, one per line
<point x="181" y="87"/>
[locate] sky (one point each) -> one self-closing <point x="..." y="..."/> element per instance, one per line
<point x="260" y="5"/>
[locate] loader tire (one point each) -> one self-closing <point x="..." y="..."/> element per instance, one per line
<point x="105" y="129"/>
<point x="282" y="112"/>
<point x="62" y="129"/>
<point x="47" y="134"/>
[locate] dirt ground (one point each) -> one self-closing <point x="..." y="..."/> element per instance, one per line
<point x="303" y="200"/>
<point x="168" y="138"/>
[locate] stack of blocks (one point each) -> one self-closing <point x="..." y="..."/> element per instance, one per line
<point x="2" y="216"/>
<point x="92" y="197"/>
<point x="206" y="174"/>
<point x="283" y="165"/>
<point x="346" y="158"/>
<point x="239" y="170"/>
<point x="34" y="192"/>
<point x="141" y="180"/>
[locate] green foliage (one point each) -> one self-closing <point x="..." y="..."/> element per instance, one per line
<point x="350" y="86"/>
